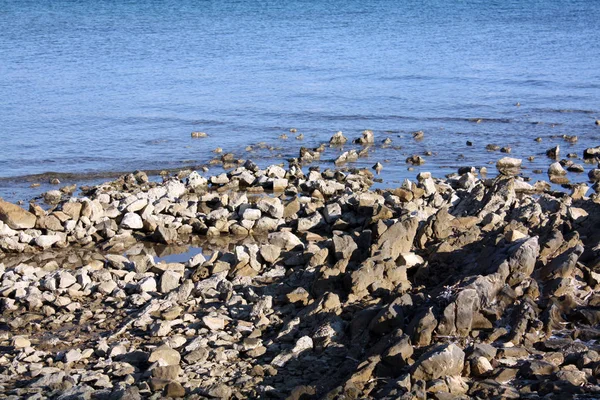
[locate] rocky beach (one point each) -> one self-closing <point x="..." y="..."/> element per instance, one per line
<point x="300" y="282"/>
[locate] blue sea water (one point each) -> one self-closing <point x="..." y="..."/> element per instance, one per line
<point x="107" y="85"/>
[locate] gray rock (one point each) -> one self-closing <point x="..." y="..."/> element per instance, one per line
<point x="444" y="360"/>
<point x="165" y="235"/>
<point x="169" y="280"/>
<point x="338" y="139"/>
<point x="271" y="206"/>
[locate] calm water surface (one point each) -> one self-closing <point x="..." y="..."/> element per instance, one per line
<point x="96" y="86"/>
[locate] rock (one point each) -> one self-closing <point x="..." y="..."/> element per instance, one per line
<point x="415" y="160"/>
<point x="270" y="253"/>
<point x="594" y="175"/>
<point x="132" y="221"/>
<point x="344" y="246"/>
<point x="553" y="152"/>
<point x="20" y="342"/>
<point x="535" y="368"/>
<point x="591" y="152"/>
<point x="147" y="284"/>
<point x="575" y="168"/>
<point x="398" y="238"/>
<point x="220" y="391"/>
<point x="195" y="180"/>
<point x="514" y="235"/>
<point x="107" y="287"/>
<point x="444" y="360"/>
<point x="419" y="135"/>
<point x="72" y="356"/>
<point x="481" y="366"/>
<point x="16" y="217"/>
<point x="165" y="235"/>
<point x="167" y="372"/>
<point x="271" y="206"/>
<point x="214" y="323"/>
<point x="47" y="241"/>
<point x="298" y="295"/>
<point x="366" y="138"/>
<point x="165" y="355"/>
<point x="199" y="135"/>
<point x="52" y="197"/>
<point x="409" y="259"/>
<point x="169" y="281"/>
<point x="285" y="240"/>
<point x="509" y="166"/>
<point x="175" y="390"/>
<point x="338" y="139"/>
<point x="251" y="214"/>
<point x="556" y="169"/>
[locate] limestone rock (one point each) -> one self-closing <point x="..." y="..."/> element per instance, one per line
<point x="16" y="217"/>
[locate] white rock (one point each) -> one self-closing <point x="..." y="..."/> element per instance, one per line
<point x="47" y="241"/>
<point x="251" y="214"/>
<point x="304" y="343"/>
<point x="132" y="221"/>
<point x="556" y="169"/>
<point x="332" y="212"/>
<point x="214" y="323"/>
<point x="72" y="356"/>
<point x="169" y="281"/>
<point x="147" y="284"/>
<point x="195" y="180"/>
<point x="65" y="279"/>
<point x="107" y="287"/>
<point x="174" y="189"/>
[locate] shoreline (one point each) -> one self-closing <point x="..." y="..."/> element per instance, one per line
<point x="397" y="152"/>
<point x="315" y="286"/>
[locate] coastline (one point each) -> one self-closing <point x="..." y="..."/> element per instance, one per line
<point x="302" y="284"/>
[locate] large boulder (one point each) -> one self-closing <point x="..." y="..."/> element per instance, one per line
<point x="16" y="217"/>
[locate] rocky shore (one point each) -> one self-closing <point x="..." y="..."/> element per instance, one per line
<point x="310" y="285"/>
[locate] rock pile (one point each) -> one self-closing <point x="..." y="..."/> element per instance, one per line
<point x="443" y="289"/>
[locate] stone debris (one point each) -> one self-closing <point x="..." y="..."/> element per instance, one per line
<point x="464" y="287"/>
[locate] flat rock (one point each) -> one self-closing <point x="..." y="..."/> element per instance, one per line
<point x="16" y="217"/>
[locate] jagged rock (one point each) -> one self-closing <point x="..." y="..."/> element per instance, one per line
<point x="553" y="152"/>
<point x="165" y="235"/>
<point x="344" y="246"/>
<point x="445" y="360"/>
<point x="398" y="238"/>
<point x="338" y="139"/>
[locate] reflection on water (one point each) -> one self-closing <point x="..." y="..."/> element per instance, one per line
<point x="75" y="257"/>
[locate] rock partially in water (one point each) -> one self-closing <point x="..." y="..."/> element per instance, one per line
<point x="509" y="166"/>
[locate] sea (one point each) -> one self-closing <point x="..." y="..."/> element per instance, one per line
<point x="91" y="89"/>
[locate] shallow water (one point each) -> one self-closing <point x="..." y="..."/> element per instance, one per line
<point x="91" y="87"/>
